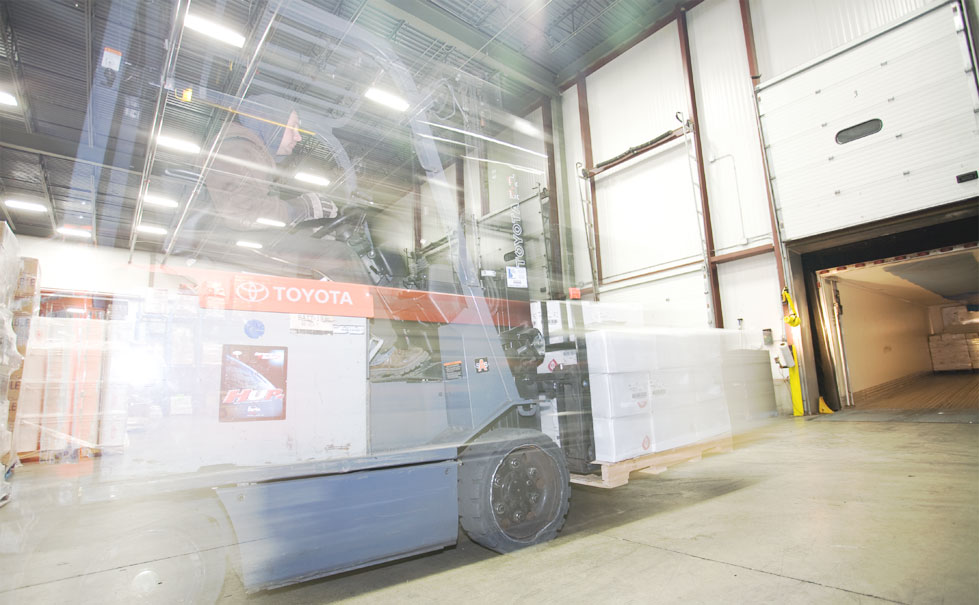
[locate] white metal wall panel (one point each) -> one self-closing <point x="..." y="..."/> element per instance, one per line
<point x="732" y="151"/>
<point x="636" y="96"/>
<point x="676" y="301"/>
<point x="913" y="78"/>
<point x="749" y="291"/>
<point x="574" y="153"/>
<point x="646" y="210"/>
<point x="647" y="213"/>
<point x="789" y="33"/>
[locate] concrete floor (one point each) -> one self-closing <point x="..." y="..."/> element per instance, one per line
<point x="802" y="511"/>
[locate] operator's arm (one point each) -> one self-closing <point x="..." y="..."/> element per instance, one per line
<point x="239" y="184"/>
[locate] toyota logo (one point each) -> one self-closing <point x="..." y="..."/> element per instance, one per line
<point x="253" y="292"/>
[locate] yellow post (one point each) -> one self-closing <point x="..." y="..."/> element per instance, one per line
<point x="795" y="386"/>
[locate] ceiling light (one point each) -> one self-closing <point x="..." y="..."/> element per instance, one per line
<point x="270" y="222"/>
<point x="75" y="311"/>
<point x="75" y="232"/>
<point x="177" y="144"/>
<point x="252" y="245"/>
<point x="8" y="99"/>
<point x="214" y="30"/>
<point x="387" y="99"/>
<point x="26" y="206"/>
<point x="151" y="229"/>
<point x="491" y="140"/>
<point x="158" y="200"/>
<point x="315" y="179"/>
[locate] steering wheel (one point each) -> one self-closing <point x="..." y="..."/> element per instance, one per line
<point x="341" y="226"/>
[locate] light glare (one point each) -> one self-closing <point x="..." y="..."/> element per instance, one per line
<point x="25" y="206"/>
<point x="151" y="229"/>
<point x="252" y="245"/>
<point x="270" y="222"/>
<point x="214" y="30"/>
<point x="158" y="200"/>
<point x="177" y="144"/>
<point x="75" y="232"/>
<point x="387" y="99"/>
<point x="8" y="99"/>
<point x="314" y="179"/>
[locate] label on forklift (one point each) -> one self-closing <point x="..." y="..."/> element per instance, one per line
<point x="302" y="296"/>
<point x="452" y="370"/>
<point x="301" y="323"/>
<point x="554" y="360"/>
<point x="482" y="365"/>
<point x="516" y="277"/>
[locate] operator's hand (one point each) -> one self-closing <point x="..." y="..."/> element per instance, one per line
<point x="316" y="207"/>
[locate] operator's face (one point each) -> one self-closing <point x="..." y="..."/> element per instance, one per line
<point x="291" y="136"/>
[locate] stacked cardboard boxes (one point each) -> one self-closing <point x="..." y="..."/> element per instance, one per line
<point x="972" y="342"/>
<point x="10" y="357"/>
<point x="949" y="352"/>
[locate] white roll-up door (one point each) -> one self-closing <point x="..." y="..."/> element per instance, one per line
<point x="886" y="126"/>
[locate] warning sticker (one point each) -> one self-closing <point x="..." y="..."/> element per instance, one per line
<point x="452" y="370"/>
<point x="482" y="365"/>
<point x="111" y="58"/>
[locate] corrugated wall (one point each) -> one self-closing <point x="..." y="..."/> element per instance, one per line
<point x="789" y="33"/>
<point x="735" y="173"/>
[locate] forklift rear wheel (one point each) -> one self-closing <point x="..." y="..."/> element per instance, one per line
<point x="513" y="489"/>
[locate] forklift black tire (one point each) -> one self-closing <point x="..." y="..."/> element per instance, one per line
<point x="514" y="488"/>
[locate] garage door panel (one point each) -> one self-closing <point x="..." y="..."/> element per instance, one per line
<point x="932" y="35"/>
<point x="911" y="78"/>
<point x="914" y="84"/>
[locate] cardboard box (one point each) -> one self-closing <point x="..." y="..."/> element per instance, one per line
<point x="618" y="439"/>
<point x="618" y="395"/>
<point x="28" y="281"/>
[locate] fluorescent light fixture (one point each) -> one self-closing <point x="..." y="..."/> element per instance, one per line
<point x="25" y="206"/>
<point x="453" y="141"/>
<point x="508" y="165"/>
<point x="270" y="222"/>
<point x="177" y="144"/>
<point x="214" y="30"/>
<point x="75" y="232"/>
<point x="252" y="245"/>
<point x="151" y="229"/>
<point x="159" y="200"/>
<point x="314" y="179"/>
<point x="75" y="311"/>
<point x="488" y="139"/>
<point x="8" y="99"/>
<point x="387" y="99"/>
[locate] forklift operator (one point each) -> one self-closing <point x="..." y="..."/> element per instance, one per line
<point x="242" y="187"/>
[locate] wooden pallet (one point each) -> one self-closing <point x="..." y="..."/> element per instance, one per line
<point x="615" y="474"/>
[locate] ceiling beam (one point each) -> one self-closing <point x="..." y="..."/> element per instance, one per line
<point x="441" y="25"/>
<point x="54" y="147"/>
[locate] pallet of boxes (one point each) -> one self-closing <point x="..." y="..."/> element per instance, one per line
<point x="11" y="355"/>
<point x="952" y="352"/>
<point x="658" y="396"/>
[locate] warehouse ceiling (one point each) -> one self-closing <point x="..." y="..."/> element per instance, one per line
<point x="945" y="279"/>
<point x="77" y="140"/>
